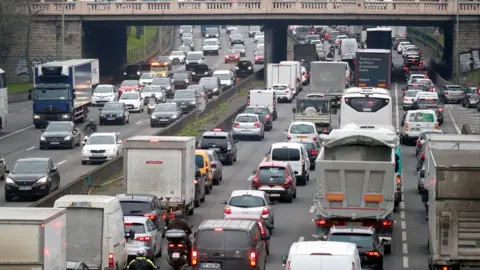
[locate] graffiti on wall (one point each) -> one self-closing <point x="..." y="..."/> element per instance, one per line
<point x="21" y="68"/>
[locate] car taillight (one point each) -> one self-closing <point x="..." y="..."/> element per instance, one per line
<point x="111" y="260"/>
<point x="213" y="163"/>
<point x="435" y="127"/>
<point x="237" y="56"/>
<point x="315" y="138"/>
<point x="419" y="52"/>
<point x="406" y="127"/>
<point x="253" y="259"/>
<point x="257" y="124"/>
<point x="143" y="238"/>
<point x="422" y="157"/>
<point x="419" y="143"/>
<point x="440" y="109"/>
<point x="287" y="92"/>
<point x="256" y="57"/>
<point x="236" y="124"/>
<point x="321" y="222"/>
<point x="248" y="101"/>
<point x="267" y="116"/>
<point x="432" y="89"/>
<point x="314" y="152"/>
<point x="195" y="181"/>
<point x="372" y="253"/>
<point x="194" y="258"/>
<point x="405" y="99"/>
<point x="421" y="63"/>
<point x="265" y="211"/>
<point x="274" y="101"/>
<point x="405" y="68"/>
<point x="227" y="210"/>
<point x="387" y="223"/>
<point x="150" y="215"/>
<point x="255" y="181"/>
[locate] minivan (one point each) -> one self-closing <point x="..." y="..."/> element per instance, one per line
<point x="96" y="233"/>
<point x="229" y="244"/>
<point x="296" y="155"/>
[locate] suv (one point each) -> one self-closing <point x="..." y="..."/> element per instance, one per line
<point x="229" y="244"/>
<point x="146" y="205"/>
<point x="368" y="243"/>
<point x="222" y="142"/>
<point x="277" y="179"/>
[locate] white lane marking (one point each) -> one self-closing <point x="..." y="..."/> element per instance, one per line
<point x="405" y="248"/>
<point x="301" y="238"/>
<point x="405" y="262"/>
<point x="61" y="162"/>
<point x="31" y="148"/>
<point x="138" y="123"/>
<point x="11" y="113"/>
<point x="402" y="205"/>
<point x="403" y="224"/>
<point x="18" y="131"/>
<point x="397" y="122"/>
<point x="402" y="214"/>
<point x="23" y="110"/>
<point x="453" y="119"/>
<point x="311" y="209"/>
<point x="404" y="236"/>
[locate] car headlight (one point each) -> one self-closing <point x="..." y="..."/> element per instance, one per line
<point x="193" y="73"/>
<point x="236" y="68"/>
<point x="206" y="72"/>
<point x="192" y="102"/>
<point x="188" y="62"/>
<point x="215" y="89"/>
<point x="42" y="180"/>
<point x="65" y="116"/>
<point x="111" y="150"/>
<point x="85" y="150"/>
<point x="36" y="116"/>
<point x="174" y="116"/>
<point x="187" y="81"/>
<point x="67" y="138"/>
<point x="42" y="138"/>
<point x="249" y="67"/>
<point x="168" y="87"/>
<point x="9" y="181"/>
<point x="124" y="73"/>
<point x="153" y="116"/>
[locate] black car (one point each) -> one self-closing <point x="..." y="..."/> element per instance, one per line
<point x="164" y="114"/>
<point x="186" y="100"/>
<point x="253" y="30"/>
<point x="181" y="79"/>
<point x="413" y="60"/>
<point x="200" y="71"/>
<point x="146" y="205"/>
<point x="61" y="134"/>
<point x="165" y="83"/>
<point x="200" y="189"/>
<point x="244" y="68"/>
<point x="222" y="142"/>
<point x="212" y="86"/>
<point x="32" y="177"/>
<point x="237" y="39"/>
<point x="264" y="115"/>
<point x="212" y="32"/>
<point x="368" y="243"/>
<point x="132" y="72"/>
<point x="194" y="58"/>
<point x="114" y="112"/>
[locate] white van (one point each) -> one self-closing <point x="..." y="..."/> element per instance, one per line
<point x="296" y="155"/>
<point x="266" y="98"/>
<point x="296" y="73"/>
<point x="414" y="121"/>
<point x="320" y="255"/>
<point x="349" y="49"/>
<point x="95" y="230"/>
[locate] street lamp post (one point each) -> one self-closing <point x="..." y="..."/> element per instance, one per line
<point x="144" y="43"/>
<point x="63" y="31"/>
<point x="457" y="30"/>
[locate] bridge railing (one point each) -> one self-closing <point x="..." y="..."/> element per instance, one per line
<point x="404" y="7"/>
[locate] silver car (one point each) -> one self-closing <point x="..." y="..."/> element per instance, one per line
<point x="216" y="165"/>
<point x="248" y="125"/>
<point x="409" y="98"/>
<point x="147" y="236"/>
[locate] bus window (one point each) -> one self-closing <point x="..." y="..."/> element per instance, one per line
<point x="366" y="104"/>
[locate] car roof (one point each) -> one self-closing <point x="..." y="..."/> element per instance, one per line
<point x="301" y="123"/>
<point x="33" y="159"/>
<point x="244" y="216"/>
<point x="257" y="107"/>
<point x="243" y="192"/>
<point x="421" y="111"/>
<point x="221" y="71"/>
<point x="135" y="197"/>
<point x="286" y="145"/>
<point x="246" y="114"/>
<point x="103" y="134"/>
<point x="302" y="141"/>
<point x="215" y="133"/>
<point x="337" y="248"/>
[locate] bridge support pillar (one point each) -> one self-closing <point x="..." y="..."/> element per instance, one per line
<point x="448" y="47"/>
<point x="275" y="43"/>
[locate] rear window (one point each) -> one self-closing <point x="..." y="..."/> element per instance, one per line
<point x="421" y="117"/>
<point x="132" y="208"/>
<point x="453" y="88"/>
<point x="302" y="129"/>
<point x="246" y="201"/>
<point x="427" y="101"/>
<point x="246" y="119"/>
<point x="199" y="162"/>
<point x="280" y="87"/>
<point x="214" y="141"/>
<point x="286" y="154"/>
<point x="271" y="175"/>
<point x="137" y="227"/>
<point x="222" y="240"/>
<point x="361" y="240"/>
<point x="411" y="93"/>
<point x="303" y="29"/>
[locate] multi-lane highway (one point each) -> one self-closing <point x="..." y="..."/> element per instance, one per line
<point x="20" y="139"/>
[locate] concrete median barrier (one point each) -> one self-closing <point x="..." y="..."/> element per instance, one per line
<point x="108" y="170"/>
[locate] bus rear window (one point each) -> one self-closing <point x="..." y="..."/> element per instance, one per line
<point x="366" y="104"/>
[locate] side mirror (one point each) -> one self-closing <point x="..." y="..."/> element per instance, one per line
<point x="294" y="110"/>
<point x="223" y="202"/>
<point x="284" y="260"/>
<point x="74" y="96"/>
<point x="254" y="172"/>
<point x="422" y="173"/>
<point x="53" y="170"/>
<point x="100" y="109"/>
<point x="425" y="195"/>
<point x="295" y="172"/>
<point x="213" y="165"/>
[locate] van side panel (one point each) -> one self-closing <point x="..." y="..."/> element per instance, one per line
<point x="117" y="241"/>
<point x="306" y="261"/>
<point x="55" y="253"/>
<point x="20" y="239"/>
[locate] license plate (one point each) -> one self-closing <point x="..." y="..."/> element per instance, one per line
<point x="354" y="223"/>
<point x="274" y="195"/>
<point x="302" y="137"/>
<point x="175" y="255"/>
<point x="164" y="120"/>
<point x="97" y="155"/>
<point x="183" y="106"/>
<point x="110" y="118"/>
<point x="246" y="131"/>
<point x="216" y="149"/>
<point x="24" y="188"/>
<point x="210" y="265"/>
<point x="54" y="142"/>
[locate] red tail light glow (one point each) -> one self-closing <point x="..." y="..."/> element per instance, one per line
<point x="227" y="210"/>
<point x="321" y="222"/>
<point x="143" y="238"/>
<point x="257" y="124"/>
<point x="253" y="259"/>
<point x="419" y="143"/>
<point x="405" y="99"/>
<point x="314" y="152"/>
<point x="194" y="258"/>
<point x="267" y="116"/>
<point x="289" y="138"/>
<point x="195" y="181"/>
<point x="387" y="223"/>
<point x="446" y="93"/>
<point x="236" y="124"/>
<point x="111" y="260"/>
<point x="440" y="109"/>
<point x="265" y="211"/>
<point x="372" y="253"/>
<point x="150" y="215"/>
<point x="422" y="157"/>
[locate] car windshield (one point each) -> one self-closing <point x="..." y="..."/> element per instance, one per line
<point x="58" y="127"/>
<point x="137" y="227"/>
<point x="279" y="87"/>
<point x="184" y="94"/>
<point x="165" y="108"/>
<point x="361" y="240"/>
<point x="421" y="117"/>
<point x="129" y="95"/>
<point x="237" y="36"/>
<point x="186" y="28"/>
<point x="208" y="81"/>
<point x="187" y="35"/>
<point x="211" y="30"/>
<point x="302" y="129"/>
<point x="152" y="89"/>
<point x="453" y="88"/>
<point x="194" y="56"/>
<point x="113" y="106"/>
<point x="161" y="81"/>
<point x="130" y="83"/>
<point x="285" y="154"/>
<point x="177" y="53"/>
<point x="214" y="141"/>
<point x="425" y="133"/>
<point x="199" y="162"/>
<point x="427" y="101"/>
<point x="51" y="94"/>
<point x="416" y="87"/>
<point x="30" y="166"/>
<point x="135" y="208"/>
<point x="271" y="175"/>
<point x="246" y="119"/>
<point x="224" y="77"/>
<point x="210" y="43"/>
<point x="411" y="93"/>
<point x="187" y="40"/>
<point x="103" y="89"/>
<point x="180" y="75"/>
<point x="246" y="201"/>
<point x="101" y="139"/>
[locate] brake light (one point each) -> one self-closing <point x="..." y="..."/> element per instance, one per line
<point x="446" y="93"/>
<point x="406" y="127"/>
<point x="314" y="152"/>
<point x="421" y="62"/>
<point x="372" y="253"/>
<point x="265" y="211"/>
<point x="143" y="238"/>
<point x="236" y="124"/>
<point x="289" y="138"/>
<point x="171" y="245"/>
<point x="432" y="89"/>
<point x="227" y="210"/>
<point x="195" y="181"/>
<point x="419" y="52"/>
<point x="257" y="124"/>
<point x="419" y="143"/>
<point x="405" y="99"/>
<point x="255" y="181"/>
<point x="274" y="101"/>
<point x="194" y="258"/>
<point x="267" y="116"/>
<point x="248" y="101"/>
<point x="253" y="259"/>
<point x="288" y="182"/>
<point x="405" y="68"/>
<point x="237" y="56"/>
<point x="387" y="223"/>
<point x="150" y="215"/>
<point x="422" y="157"/>
<point x="111" y="260"/>
<point x="440" y="109"/>
<point x="435" y="127"/>
<point x="262" y="229"/>
<point x="321" y="222"/>
<point x="213" y="163"/>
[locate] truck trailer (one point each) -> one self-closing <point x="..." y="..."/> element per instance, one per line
<point x="163" y="166"/>
<point x="379" y="38"/>
<point x="63" y="90"/>
<point x="355" y="185"/>
<point x="373" y="68"/>
<point x="453" y="208"/>
<point x="330" y="79"/>
<point x="305" y="53"/>
<point x="33" y="238"/>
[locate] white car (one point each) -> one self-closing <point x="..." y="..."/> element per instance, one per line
<point x="227" y="77"/>
<point x="413" y="77"/>
<point x="147" y="78"/>
<point x="100" y="147"/>
<point x="409" y="98"/>
<point x="132" y="100"/>
<point x="231" y="28"/>
<point x="283" y="92"/>
<point x="104" y="93"/>
<point x="258" y="36"/>
<point x="177" y="57"/>
<point x="302" y="130"/>
<point x="406" y="49"/>
<point x="401" y="45"/>
<point x="250" y="202"/>
<point x="211" y="46"/>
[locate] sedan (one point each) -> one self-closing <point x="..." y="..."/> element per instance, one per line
<point x="181" y="79"/>
<point x="60" y="135"/>
<point x="232" y="56"/>
<point x="177" y="57"/>
<point x="237" y="39"/>
<point x="32" y="177"/>
<point x="133" y="101"/>
<point x="147" y="237"/>
<point x="114" y="112"/>
<point x="189" y="43"/>
<point x="101" y="147"/>
<point x="240" y="48"/>
<point x="104" y="93"/>
<point x="248" y="125"/>
<point x="166" y="84"/>
<point x="165" y="114"/>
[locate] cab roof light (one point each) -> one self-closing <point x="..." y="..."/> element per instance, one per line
<point x="335" y="197"/>
<point x="218" y="229"/>
<point x="376" y="198"/>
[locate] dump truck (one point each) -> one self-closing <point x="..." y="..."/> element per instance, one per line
<point x="354" y="179"/>
<point x="315" y="110"/>
<point x="330" y="79"/>
<point x="33" y="238"/>
<point x="453" y="208"/>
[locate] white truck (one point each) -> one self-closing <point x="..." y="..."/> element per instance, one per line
<point x="163" y="166"/>
<point x="33" y="238"/>
<point x="453" y="208"/>
<point x="328" y="78"/>
<point x="3" y="100"/>
<point x="283" y="74"/>
<point x="354" y="179"/>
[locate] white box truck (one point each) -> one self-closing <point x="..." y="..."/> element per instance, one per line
<point x="282" y="74"/>
<point x="163" y="166"/>
<point x="33" y="238"/>
<point x="329" y="79"/>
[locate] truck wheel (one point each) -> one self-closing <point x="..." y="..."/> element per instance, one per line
<point x="191" y="211"/>
<point x="197" y="203"/>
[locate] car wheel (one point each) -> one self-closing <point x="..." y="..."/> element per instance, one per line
<point x="207" y="190"/>
<point x="289" y="198"/>
<point x="73" y="145"/>
<point x="84" y="162"/>
<point x="128" y="119"/>
<point x="8" y="198"/>
<point x="124" y="122"/>
<point x="295" y="193"/>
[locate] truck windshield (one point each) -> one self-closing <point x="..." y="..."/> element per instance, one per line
<point x="51" y="94"/>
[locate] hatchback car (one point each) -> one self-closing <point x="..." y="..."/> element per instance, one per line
<point x="312" y="149"/>
<point x="194" y="58"/>
<point x="302" y="130"/>
<point x="133" y="101"/>
<point x="200" y="71"/>
<point x="248" y="125"/>
<point x="104" y="93"/>
<point x="240" y="48"/>
<point x="147" y="78"/>
<point x="250" y="202"/>
<point x="165" y="114"/>
<point x="263" y="113"/>
<point x="177" y="57"/>
<point x="212" y="85"/>
<point x="142" y="205"/>
<point x="232" y="55"/>
<point x="188" y="42"/>
<point x="216" y="166"/>
<point x="147" y="236"/>
<point x="277" y="179"/>
<point x="259" y="57"/>
<point x="236" y="39"/>
<point x="222" y="143"/>
<point x="181" y="79"/>
<point x="115" y="112"/>
<point x="129" y="85"/>
<point x="470" y="97"/>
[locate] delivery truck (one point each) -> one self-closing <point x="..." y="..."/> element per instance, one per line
<point x="453" y="208"/>
<point x="283" y="74"/>
<point x="373" y="68"/>
<point x="329" y="79"/>
<point x="379" y="38"/>
<point x="33" y="238"/>
<point x="355" y="184"/>
<point x="163" y="166"/>
<point x="63" y="90"/>
<point x="305" y="53"/>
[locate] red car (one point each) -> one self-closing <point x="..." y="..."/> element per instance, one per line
<point x="129" y="85"/>
<point x="259" y="58"/>
<point x="232" y="56"/>
<point x="278" y="177"/>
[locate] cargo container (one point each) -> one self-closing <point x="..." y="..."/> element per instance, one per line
<point x="373" y="68"/>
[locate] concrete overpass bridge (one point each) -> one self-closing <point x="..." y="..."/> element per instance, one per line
<point x="98" y="29"/>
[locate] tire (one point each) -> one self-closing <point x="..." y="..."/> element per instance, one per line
<point x="8" y="198"/>
<point x="124" y="122"/>
<point x="207" y="190"/>
<point x="289" y="199"/>
<point x="197" y="203"/>
<point x="72" y="146"/>
<point x="295" y="193"/>
<point x="215" y="181"/>
<point x="84" y="162"/>
<point x="388" y="249"/>
<point x="203" y="198"/>
<point x="2" y="177"/>
<point x="463" y="104"/>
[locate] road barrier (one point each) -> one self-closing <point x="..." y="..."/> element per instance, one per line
<point x="466" y="130"/>
<point x="112" y="168"/>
